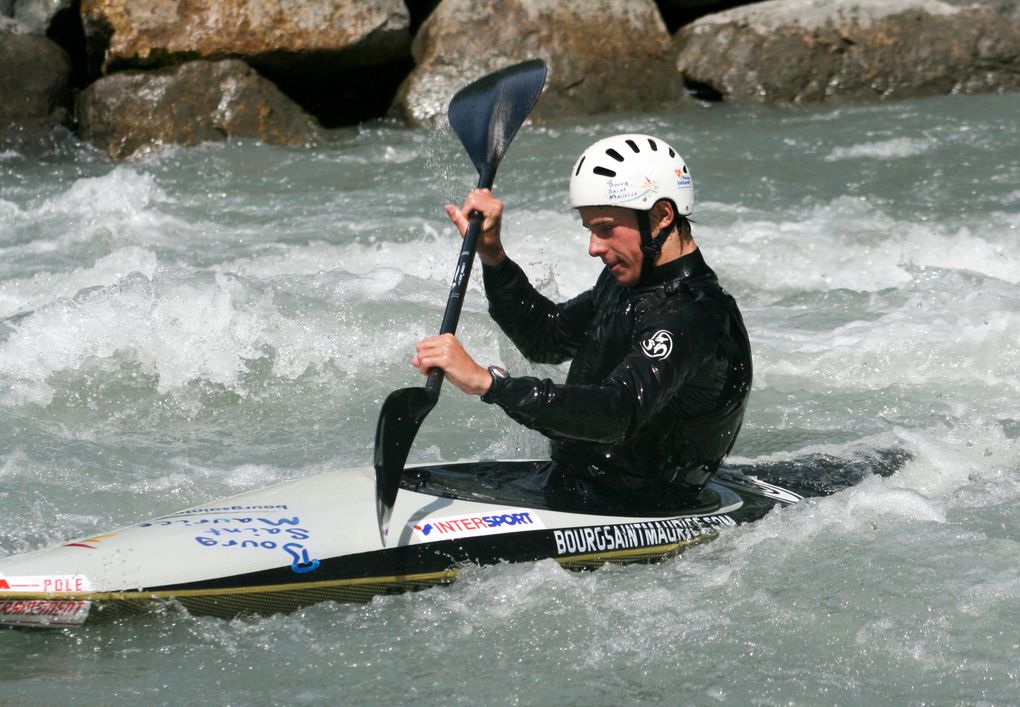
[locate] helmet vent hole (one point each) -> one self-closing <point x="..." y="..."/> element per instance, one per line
<point x="603" y="172"/>
<point x="614" y="154"/>
<point x="651" y="144"/>
<point x="579" y="163"/>
<point x="633" y="145"/>
<point x="671" y="153"/>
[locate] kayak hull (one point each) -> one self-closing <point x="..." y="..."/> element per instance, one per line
<point x="317" y="539"/>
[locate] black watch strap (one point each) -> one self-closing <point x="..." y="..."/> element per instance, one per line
<point x="500" y="376"/>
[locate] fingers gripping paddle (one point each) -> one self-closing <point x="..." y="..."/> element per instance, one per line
<point x="485" y="115"/>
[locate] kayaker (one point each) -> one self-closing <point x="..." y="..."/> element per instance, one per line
<point x="661" y="363"/>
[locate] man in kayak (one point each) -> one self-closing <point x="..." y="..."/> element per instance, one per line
<point x="661" y="363"/>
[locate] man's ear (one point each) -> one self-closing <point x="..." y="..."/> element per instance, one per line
<point x="662" y="214"/>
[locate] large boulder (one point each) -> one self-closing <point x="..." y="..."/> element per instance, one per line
<point x="197" y="102"/>
<point x="603" y="55"/>
<point x="799" y="51"/>
<point x="149" y="33"/>
<point x="341" y="59"/>
<point x="34" y="89"/>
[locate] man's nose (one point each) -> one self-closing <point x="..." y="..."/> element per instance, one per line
<point x="595" y="246"/>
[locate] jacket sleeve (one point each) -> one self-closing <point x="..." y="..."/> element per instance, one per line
<point x="666" y="352"/>
<point x="543" y="331"/>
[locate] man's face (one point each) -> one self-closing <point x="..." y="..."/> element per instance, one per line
<point x="615" y="239"/>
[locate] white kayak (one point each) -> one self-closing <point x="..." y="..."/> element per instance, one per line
<point x="317" y="539"/>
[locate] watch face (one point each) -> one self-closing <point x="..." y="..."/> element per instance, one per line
<point x="498" y="372"/>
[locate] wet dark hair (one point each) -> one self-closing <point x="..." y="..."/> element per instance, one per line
<point x="683" y="227"/>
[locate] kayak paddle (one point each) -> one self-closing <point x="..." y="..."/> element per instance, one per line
<point x="485" y="115"/>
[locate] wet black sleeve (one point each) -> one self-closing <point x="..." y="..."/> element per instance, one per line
<point x="543" y="331"/>
<point x="667" y="351"/>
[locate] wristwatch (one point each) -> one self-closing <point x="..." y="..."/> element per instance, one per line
<point x="499" y="378"/>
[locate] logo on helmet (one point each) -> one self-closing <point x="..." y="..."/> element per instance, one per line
<point x="620" y="190"/>
<point x="658" y="346"/>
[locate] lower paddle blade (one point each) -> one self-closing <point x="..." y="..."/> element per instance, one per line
<point x="399" y="420"/>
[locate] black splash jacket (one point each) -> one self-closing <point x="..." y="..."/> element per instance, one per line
<point x="659" y="380"/>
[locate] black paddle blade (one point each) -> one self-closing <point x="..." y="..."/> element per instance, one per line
<point x="399" y="420"/>
<point x="487" y="113"/>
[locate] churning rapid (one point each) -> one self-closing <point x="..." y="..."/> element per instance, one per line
<point x="206" y="321"/>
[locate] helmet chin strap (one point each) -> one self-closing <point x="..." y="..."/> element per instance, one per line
<point x="650" y="247"/>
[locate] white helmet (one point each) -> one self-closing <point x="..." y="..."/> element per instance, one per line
<point x="632" y="171"/>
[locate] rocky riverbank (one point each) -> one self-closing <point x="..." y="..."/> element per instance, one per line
<point x="131" y="75"/>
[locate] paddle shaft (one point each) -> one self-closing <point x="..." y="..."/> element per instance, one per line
<point x="461" y="275"/>
<point x="485" y="115"/>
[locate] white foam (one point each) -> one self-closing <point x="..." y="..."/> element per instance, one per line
<point x="181" y="328"/>
<point x="120" y="206"/>
<point x="934" y="337"/>
<point x="851" y="244"/>
<point x="896" y="148"/>
<point x="972" y="451"/>
<point x="123" y="192"/>
<point x="551" y="247"/>
<point x="842" y="244"/>
<point x="18" y="295"/>
<point x="432" y="257"/>
<point x="878" y="498"/>
<point x="785" y="532"/>
<point x="965" y="250"/>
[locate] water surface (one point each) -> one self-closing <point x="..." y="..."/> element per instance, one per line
<point x="201" y="322"/>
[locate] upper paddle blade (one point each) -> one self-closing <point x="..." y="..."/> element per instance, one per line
<point x="399" y="420"/>
<point x="487" y="113"/>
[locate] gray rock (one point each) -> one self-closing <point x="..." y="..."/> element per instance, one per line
<point x="799" y="51"/>
<point x="34" y="91"/>
<point x="36" y="15"/>
<point x="196" y="102"/>
<point x="603" y="55"/>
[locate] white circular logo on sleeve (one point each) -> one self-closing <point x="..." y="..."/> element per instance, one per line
<point x="659" y="345"/>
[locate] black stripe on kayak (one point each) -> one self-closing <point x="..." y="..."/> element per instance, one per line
<point x="623" y="539"/>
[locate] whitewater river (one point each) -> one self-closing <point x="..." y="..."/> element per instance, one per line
<point x="201" y="322"/>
